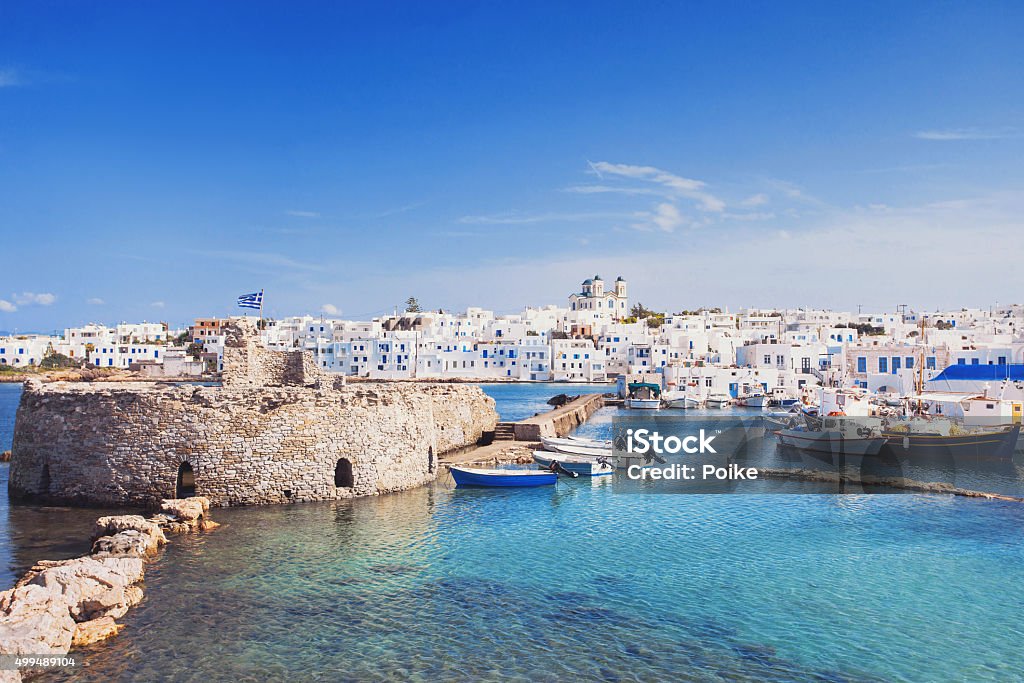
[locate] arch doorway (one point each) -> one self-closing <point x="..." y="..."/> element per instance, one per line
<point x="343" y="474"/>
<point x="186" y="485"/>
<point x="44" y="480"/>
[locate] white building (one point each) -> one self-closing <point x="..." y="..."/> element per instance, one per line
<point x="594" y="298"/>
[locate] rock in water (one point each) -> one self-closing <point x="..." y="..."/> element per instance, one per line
<point x="89" y="587"/>
<point x="93" y="631"/>
<point x="108" y="526"/>
<point x="34" y="620"/>
<point x="187" y="510"/>
<point x="129" y="543"/>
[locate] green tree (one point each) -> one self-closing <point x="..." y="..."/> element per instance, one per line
<point x="640" y="311"/>
<point x="54" y="360"/>
<point x="412" y="305"/>
<point x="195" y="349"/>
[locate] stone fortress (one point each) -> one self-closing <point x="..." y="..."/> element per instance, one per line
<point x="277" y="430"/>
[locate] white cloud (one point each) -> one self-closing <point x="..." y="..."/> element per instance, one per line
<point x="759" y="199"/>
<point x="665" y="217"/>
<point x="303" y="214"/>
<point x="750" y="216"/>
<point x="608" y="189"/>
<point x="330" y="309"/>
<point x="158" y="304"/>
<point x="948" y="134"/>
<point x="34" y="299"/>
<point x="911" y="244"/>
<point x="7" y="307"/>
<point x="687" y="187"/>
<point x="95" y="301"/>
<point x="10" y="78"/>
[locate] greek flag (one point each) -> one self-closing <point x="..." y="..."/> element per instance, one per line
<point x="254" y="300"/>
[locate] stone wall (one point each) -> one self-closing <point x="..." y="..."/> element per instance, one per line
<point x="247" y="363"/>
<point x="125" y="443"/>
<point x="275" y="432"/>
<point x="559" y="421"/>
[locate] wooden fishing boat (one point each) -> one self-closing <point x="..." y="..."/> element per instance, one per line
<point x="831" y="441"/>
<point x="471" y="476"/>
<point x="995" y="444"/>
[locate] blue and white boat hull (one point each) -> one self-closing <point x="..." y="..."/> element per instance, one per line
<point x="469" y="476"/>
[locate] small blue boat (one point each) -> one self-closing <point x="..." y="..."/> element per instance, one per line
<point x="468" y="476"/>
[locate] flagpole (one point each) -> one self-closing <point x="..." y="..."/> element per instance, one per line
<point x="260" y="327"/>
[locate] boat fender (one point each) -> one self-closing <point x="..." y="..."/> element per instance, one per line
<point x="863" y="431"/>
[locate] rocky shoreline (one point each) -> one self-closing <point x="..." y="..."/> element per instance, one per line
<point x="63" y="604"/>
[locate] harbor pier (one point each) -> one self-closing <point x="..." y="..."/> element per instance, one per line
<point x="559" y="421"/>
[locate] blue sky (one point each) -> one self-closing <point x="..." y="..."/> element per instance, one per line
<point x="157" y="160"/>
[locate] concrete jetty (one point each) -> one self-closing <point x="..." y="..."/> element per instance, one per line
<point x="559" y="421"/>
<point x="515" y="442"/>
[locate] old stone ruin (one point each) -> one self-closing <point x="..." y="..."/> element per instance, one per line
<point x="276" y="430"/>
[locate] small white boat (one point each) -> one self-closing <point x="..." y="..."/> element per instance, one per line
<point x="589" y="442"/>
<point x="753" y="401"/>
<point x="587" y="467"/>
<point x="570" y="447"/>
<point x="681" y="401"/>
<point x="643" y="403"/>
<point x="620" y="462"/>
<point x="643" y="396"/>
<point x="717" y="401"/>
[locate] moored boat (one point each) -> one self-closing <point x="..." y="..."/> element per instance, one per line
<point x="571" y="447"/>
<point x="643" y="396"/>
<point x="681" y="401"/>
<point x="717" y="401"/>
<point x="471" y="476"/>
<point x="753" y="401"/>
<point x="587" y="467"/>
<point x="831" y="441"/>
<point x="985" y="444"/>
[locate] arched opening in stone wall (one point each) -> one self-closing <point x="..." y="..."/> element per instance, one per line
<point x="186" y="485"/>
<point x="343" y="474"/>
<point x="44" y="480"/>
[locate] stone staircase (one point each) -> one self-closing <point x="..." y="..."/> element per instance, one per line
<point x="505" y="431"/>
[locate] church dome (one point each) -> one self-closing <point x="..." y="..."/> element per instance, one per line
<point x="588" y="281"/>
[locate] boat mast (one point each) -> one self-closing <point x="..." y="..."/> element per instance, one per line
<point x="920" y="369"/>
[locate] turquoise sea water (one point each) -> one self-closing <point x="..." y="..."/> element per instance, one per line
<point x="577" y="582"/>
